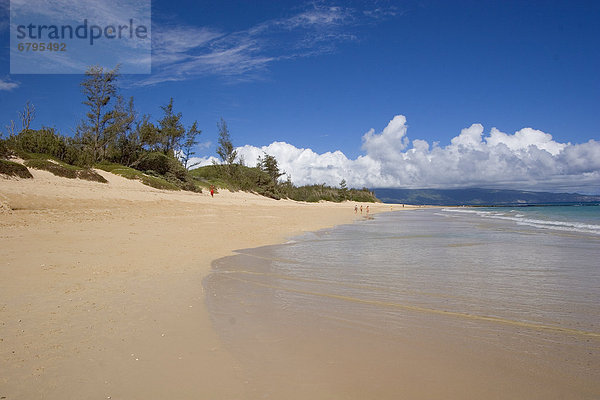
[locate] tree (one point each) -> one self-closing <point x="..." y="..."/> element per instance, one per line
<point x="343" y="189"/>
<point x="10" y="129"/>
<point x="148" y="133"/>
<point x="123" y="117"/>
<point x="124" y="145"/>
<point x="187" y="149"/>
<point x="226" y="151"/>
<point x="269" y="165"/>
<point x="27" y="116"/>
<point x="99" y="87"/>
<point x="171" y="129"/>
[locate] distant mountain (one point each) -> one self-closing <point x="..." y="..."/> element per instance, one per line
<point x="479" y="197"/>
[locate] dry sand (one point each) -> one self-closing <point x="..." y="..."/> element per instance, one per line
<point x="101" y="285"/>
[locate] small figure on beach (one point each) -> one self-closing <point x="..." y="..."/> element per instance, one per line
<point x="361" y="208"/>
<point x="355" y="209"/>
<point x="367" y="210"/>
<point x="212" y="190"/>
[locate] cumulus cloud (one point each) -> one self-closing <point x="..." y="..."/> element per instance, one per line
<point x="528" y="159"/>
<point x="524" y="138"/>
<point x="389" y="143"/>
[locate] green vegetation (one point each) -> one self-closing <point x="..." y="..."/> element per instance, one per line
<point x="235" y="177"/>
<point x="312" y="193"/>
<point x="44" y="141"/>
<point x="161" y="164"/>
<point x="263" y="180"/>
<point x="168" y="168"/>
<point x="113" y="137"/>
<point x="65" y="170"/>
<point x="226" y="151"/>
<point x="10" y="168"/>
<point x="4" y="150"/>
<point x="100" y="126"/>
<point x="130" y="173"/>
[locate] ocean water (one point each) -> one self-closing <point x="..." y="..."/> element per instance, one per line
<point x="433" y="303"/>
<point x="575" y="218"/>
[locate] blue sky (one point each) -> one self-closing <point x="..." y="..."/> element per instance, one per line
<point x="320" y="75"/>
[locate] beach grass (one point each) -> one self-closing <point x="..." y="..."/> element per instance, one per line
<point x="130" y="173"/>
<point x="10" y="168"/>
<point x="65" y="170"/>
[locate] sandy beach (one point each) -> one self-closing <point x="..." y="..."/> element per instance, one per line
<point x="101" y="285"/>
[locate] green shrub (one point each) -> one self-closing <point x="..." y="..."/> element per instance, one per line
<point x="110" y="167"/>
<point x="52" y="167"/>
<point x="364" y="195"/>
<point x="4" y="150"/>
<point x="14" y="169"/>
<point x="76" y="154"/>
<point x="44" y="140"/>
<point x="130" y="173"/>
<point x="32" y="156"/>
<point x="161" y="164"/>
<point x="239" y="177"/>
<point x="208" y="172"/>
<point x="315" y="193"/>
<point x="45" y="143"/>
<point x="90" y="175"/>
<point x="158" y="183"/>
<point x="191" y="186"/>
<point x="268" y="193"/>
<point x="168" y="170"/>
<point x="236" y="177"/>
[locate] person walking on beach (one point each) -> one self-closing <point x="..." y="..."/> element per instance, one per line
<point x="361" y="208"/>
<point x="367" y="210"/>
<point x="212" y="190"/>
<point x="355" y="209"/>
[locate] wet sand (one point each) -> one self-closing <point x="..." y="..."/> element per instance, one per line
<point x="320" y="318"/>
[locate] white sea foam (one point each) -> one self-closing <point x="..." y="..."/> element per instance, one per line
<point x="522" y="219"/>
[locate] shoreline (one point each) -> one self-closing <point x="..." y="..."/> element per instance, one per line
<point x="102" y="284"/>
<point x="310" y="309"/>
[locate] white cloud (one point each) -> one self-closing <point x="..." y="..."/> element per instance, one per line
<point x="469" y="137"/>
<point x="180" y="39"/>
<point x="389" y="143"/>
<point x="8" y="85"/>
<point x="524" y="138"/>
<point x="529" y="159"/>
<point x="185" y="52"/>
